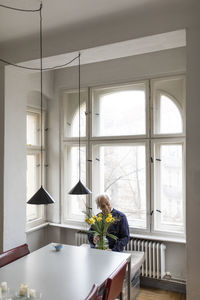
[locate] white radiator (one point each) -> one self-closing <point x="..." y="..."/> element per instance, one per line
<point x="154" y="264"/>
<point x="81" y="238"/>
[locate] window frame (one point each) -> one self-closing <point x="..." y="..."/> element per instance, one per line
<point x="132" y="143"/>
<point x="36" y="150"/>
<point x="72" y="141"/>
<point x="119" y="87"/>
<point x="148" y="138"/>
<point x="171" y="141"/>
<point x="65" y="192"/>
<point x="168" y="94"/>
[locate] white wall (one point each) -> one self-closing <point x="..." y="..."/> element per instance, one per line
<point x="19" y="86"/>
<point x="37" y="238"/>
<point x="193" y="164"/>
<point x="1" y="155"/>
<point x="176" y="260"/>
<point x="15" y="158"/>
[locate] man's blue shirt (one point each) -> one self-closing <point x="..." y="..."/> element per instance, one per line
<point x="120" y="229"/>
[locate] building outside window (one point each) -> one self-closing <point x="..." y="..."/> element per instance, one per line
<point x="133" y="148"/>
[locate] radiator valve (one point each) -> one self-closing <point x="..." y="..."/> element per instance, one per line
<point x="168" y="275"/>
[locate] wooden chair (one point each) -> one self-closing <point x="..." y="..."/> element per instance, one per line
<point x="93" y="293"/>
<point x="13" y="254"/>
<point x="114" y="283"/>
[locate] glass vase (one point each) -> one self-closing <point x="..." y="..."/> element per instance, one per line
<point x="102" y="243"/>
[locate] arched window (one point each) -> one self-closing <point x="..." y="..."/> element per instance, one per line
<point x="75" y="121"/>
<point x="119" y="112"/>
<point x="71" y="114"/>
<point x="168" y="115"/>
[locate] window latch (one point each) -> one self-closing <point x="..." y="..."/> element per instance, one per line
<point x="151" y="159"/>
<point x="151" y="213"/>
<point x="158" y="210"/>
<point x="158" y="159"/>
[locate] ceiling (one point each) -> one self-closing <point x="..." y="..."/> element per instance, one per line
<point x="65" y="14"/>
<point x="153" y="43"/>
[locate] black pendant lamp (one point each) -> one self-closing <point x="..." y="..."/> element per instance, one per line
<point x="79" y="188"/>
<point x="41" y="196"/>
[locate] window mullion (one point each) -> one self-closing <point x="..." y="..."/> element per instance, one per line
<point x="151" y="184"/>
<point x="88" y="145"/>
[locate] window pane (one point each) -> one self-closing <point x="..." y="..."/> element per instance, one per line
<point x="120" y="171"/>
<point x="168" y="96"/>
<point x="32" y="128"/>
<point x="168" y="110"/>
<point x="119" y="111"/>
<point x="74" y="204"/>
<point x="71" y="114"/>
<point x="169" y="188"/>
<point x="32" y="185"/>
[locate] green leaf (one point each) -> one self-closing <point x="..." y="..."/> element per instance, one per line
<point x="88" y="231"/>
<point x="112" y="236"/>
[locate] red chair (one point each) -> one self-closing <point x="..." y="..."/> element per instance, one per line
<point x="93" y="293"/>
<point x="13" y="254"/>
<point x="114" y="283"/>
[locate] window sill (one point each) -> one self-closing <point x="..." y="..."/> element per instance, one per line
<point x="70" y="226"/>
<point x="160" y="238"/>
<point x="153" y="237"/>
<point x="37" y="227"/>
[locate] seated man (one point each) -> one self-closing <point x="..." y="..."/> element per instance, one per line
<point x="120" y="228"/>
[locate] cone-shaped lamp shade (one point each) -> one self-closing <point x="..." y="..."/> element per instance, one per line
<point x="41" y="197"/>
<point x="79" y="189"/>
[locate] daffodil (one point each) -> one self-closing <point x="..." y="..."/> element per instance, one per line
<point x="100" y="215"/>
<point x="99" y="219"/>
<point x="91" y="221"/>
<point x="109" y="215"/>
<point x="86" y="220"/>
<point x="112" y="219"/>
<point x="108" y="219"/>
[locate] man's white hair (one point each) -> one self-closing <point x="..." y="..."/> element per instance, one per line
<point x="102" y="196"/>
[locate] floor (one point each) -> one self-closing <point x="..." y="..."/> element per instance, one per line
<point x="156" y="294"/>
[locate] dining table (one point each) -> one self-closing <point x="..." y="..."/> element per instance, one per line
<point x="68" y="274"/>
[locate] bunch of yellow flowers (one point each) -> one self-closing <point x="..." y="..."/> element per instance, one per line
<point x="99" y="218"/>
<point x="99" y="226"/>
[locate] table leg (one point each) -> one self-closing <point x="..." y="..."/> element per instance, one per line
<point x="129" y="279"/>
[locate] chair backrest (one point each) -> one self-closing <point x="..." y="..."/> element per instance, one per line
<point x="13" y="254"/>
<point x="114" y="283"/>
<point x="93" y="293"/>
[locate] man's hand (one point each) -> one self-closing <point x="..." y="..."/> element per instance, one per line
<point x="95" y="239"/>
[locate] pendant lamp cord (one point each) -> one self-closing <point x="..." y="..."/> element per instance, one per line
<point x="79" y="107"/>
<point x="20" y="9"/>
<point x="31" y="68"/>
<point x="41" y="97"/>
